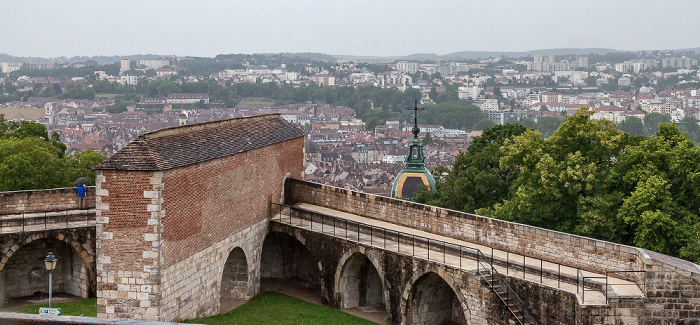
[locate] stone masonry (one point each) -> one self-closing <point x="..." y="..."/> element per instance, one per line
<point x="671" y="286"/>
<point x="22" y="271"/>
<point x="175" y="203"/>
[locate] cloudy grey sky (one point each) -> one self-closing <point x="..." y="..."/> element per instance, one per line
<point x="51" y="28"/>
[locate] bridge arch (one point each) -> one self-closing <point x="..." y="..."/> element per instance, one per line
<point x="17" y="244"/>
<point x="432" y="298"/>
<point x="359" y="280"/>
<point x="287" y="263"/>
<point x="23" y="273"/>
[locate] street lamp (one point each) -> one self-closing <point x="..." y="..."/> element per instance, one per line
<point x="50" y="263"/>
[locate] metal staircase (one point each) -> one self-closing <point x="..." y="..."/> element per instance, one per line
<point x="498" y="285"/>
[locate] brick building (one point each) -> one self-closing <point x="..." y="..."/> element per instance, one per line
<point x="182" y="213"/>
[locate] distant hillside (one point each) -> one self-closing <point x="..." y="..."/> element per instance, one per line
<point x="63" y="59"/>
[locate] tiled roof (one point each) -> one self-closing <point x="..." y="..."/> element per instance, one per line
<point x="190" y="144"/>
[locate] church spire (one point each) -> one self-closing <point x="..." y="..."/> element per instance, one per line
<point x="413" y="174"/>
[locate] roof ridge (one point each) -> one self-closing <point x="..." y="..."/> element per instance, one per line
<point x="204" y="126"/>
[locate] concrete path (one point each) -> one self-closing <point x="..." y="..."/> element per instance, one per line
<point x="445" y="250"/>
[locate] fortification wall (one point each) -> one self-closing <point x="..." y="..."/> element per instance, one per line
<point x="572" y="250"/>
<point x="165" y="235"/>
<point x="55" y="199"/>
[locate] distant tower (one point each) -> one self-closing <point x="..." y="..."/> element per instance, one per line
<point x="413" y="173"/>
<point x="182" y="117"/>
<point x="125" y="65"/>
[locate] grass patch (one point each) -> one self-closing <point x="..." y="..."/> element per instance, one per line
<point x="105" y="95"/>
<point x="86" y="307"/>
<point x="276" y="308"/>
<point x="256" y="101"/>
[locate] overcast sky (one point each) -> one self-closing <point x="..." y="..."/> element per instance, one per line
<point x="54" y="28"/>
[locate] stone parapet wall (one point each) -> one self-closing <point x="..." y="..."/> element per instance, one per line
<point x="575" y="251"/>
<point x="56" y="199"/>
<point x="198" y="277"/>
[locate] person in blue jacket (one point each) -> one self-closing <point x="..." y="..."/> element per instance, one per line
<point x="81" y="190"/>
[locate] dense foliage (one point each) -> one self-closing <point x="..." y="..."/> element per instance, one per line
<point x="31" y="159"/>
<point x="588" y="178"/>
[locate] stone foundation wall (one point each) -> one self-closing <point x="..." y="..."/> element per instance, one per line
<point x="192" y="287"/>
<point x="55" y="199"/>
<point x="572" y="250"/>
<point x="22" y="270"/>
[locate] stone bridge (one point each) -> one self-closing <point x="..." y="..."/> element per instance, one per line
<point x="33" y="223"/>
<point x="193" y="219"/>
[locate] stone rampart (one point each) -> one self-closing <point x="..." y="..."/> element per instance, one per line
<point x="575" y="251"/>
<point x="173" y="205"/>
<point x="55" y="199"/>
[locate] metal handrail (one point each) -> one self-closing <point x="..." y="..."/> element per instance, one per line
<point x="46" y="220"/>
<point x="495" y="274"/>
<point x="509" y="263"/>
<point x="583" y="286"/>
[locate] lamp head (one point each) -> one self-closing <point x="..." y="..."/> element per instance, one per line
<point x="50" y="262"/>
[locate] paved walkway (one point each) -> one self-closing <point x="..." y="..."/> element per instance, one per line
<point x="445" y="250"/>
<point x="50" y="220"/>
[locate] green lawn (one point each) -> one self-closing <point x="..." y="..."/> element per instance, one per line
<point x="256" y="101"/>
<point x="276" y="308"/>
<point x="87" y="308"/>
<point x="267" y="308"/>
<point x="105" y="95"/>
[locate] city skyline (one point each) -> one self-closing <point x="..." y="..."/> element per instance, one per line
<point x="354" y="28"/>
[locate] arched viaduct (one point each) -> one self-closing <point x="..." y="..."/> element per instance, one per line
<point x="189" y="219"/>
<point x="33" y="223"/>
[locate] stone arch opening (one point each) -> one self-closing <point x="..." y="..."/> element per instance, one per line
<point x="432" y="302"/>
<point x="24" y="274"/>
<point x="360" y="284"/>
<point x="288" y="266"/>
<point x="234" y="279"/>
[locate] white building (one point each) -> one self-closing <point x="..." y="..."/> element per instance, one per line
<point x="154" y="63"/>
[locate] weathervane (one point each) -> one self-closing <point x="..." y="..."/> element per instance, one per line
<point x="415" y="109"/>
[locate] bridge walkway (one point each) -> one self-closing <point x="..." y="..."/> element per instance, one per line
<point x="589" y="287"/>
<point x="50" y="220"/>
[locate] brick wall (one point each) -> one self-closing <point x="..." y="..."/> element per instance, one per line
<point x="217" y="198"/>
<point x="211" y="208"/>
<point x="164" y="236"/>
<point x="128" y="277"/>
<point x="572" y="250"/>
<point x="55" y="199"/>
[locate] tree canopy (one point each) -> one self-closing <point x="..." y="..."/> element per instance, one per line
<point x="589" y="178"/>
<point x="31" y="159"/>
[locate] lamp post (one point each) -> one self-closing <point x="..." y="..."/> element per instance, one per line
<point x="50" y="263"/>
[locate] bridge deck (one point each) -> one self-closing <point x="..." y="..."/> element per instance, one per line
<point x="549" y="274"/>
<point x="40" y="221"/>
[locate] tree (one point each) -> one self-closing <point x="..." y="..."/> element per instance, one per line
<point x="548" y="124"/>
<point x="81" y="164"/>
<point x="427" y="139"/>
<point x="484" y="124"/>
<point x="689" y="125"/>
<point x="652" y="121"/>
<point x="632" y="125"/>
<point x="477" y="180"/>
<point x="29" y="163"/>
<point x="433" y="95"/>
<point x="30" y="129"/>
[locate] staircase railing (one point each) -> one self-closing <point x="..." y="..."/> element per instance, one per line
<point x="503" y="290"/>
